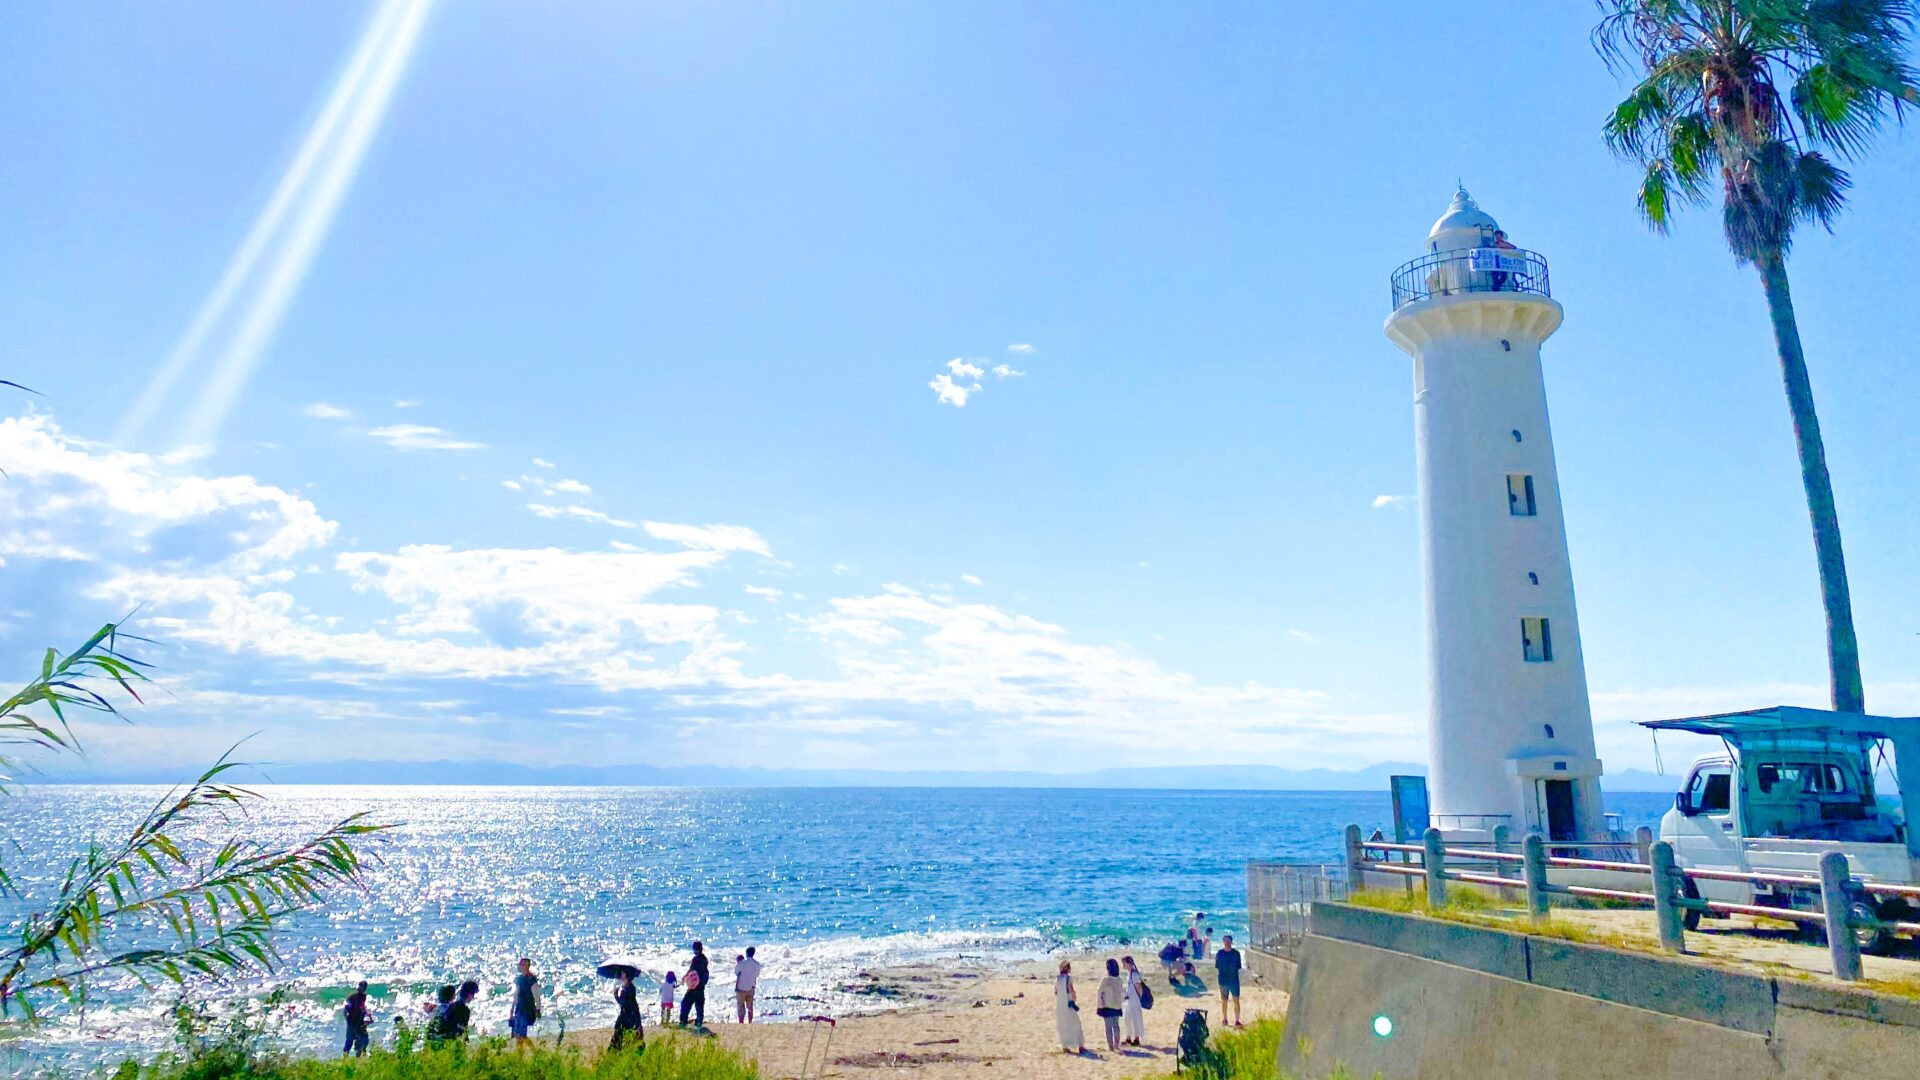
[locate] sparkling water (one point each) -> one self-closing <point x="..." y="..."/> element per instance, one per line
<point x="826" y="882"/>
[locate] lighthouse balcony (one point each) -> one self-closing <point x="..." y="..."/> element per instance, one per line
<point x="1470" y="270"/>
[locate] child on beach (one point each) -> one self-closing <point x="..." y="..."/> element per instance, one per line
<point x="667" y="987"/>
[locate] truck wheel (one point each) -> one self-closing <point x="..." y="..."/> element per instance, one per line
<point x="1872" y="939"/>
<point x="1691" y="917"/>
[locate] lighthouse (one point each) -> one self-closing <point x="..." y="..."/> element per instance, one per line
<point x="1509" y="728"/>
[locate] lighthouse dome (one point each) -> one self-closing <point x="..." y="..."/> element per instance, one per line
<point x="1462" y="213"/>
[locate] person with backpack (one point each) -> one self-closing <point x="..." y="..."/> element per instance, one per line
<point x="1139" y="1000"/>
<point x="526" y="1003"/>
<point x="358" y="1019"/>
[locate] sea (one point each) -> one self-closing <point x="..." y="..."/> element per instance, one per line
<point x="826" y="883"/>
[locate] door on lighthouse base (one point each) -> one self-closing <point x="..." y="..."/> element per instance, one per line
<point x="1561" y="825"/>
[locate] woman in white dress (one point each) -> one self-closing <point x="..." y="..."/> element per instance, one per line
<point x="1066" y="1012"/>
<point x="1136" y="1016"/>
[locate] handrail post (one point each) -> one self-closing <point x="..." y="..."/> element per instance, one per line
<point x="1666" y="889"/>
<point x="1435" y="862"/>
<point x="1836" y="897"/>
<point x="1643" y="845"/>
<point x="1502" y="845"/>
<point x="1356" y="861"/>
<point x="1535" y="869"/>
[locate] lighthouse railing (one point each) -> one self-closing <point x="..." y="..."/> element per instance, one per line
<point x="1471" y="270"/>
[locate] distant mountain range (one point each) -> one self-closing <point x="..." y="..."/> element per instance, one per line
<point x="1184" y="777"/>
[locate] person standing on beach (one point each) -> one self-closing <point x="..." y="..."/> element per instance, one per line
<point x="629" y="1019"/>
<point x="357" y="1020"/>
<point x="526" y="1003"/>
<point x="437" y="1012"/>
<point x="1227" y="963"/>
<point x="459" y="1015"/>
<point x="694" y="1000"/>
<point x="1135" y="1009"/>
<point x="746" y="978"/>
<point x="1066" y="1012"/>
<point x="1113" y="993"/>
<point x="667" y="986"/>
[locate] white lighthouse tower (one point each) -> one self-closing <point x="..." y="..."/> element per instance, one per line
<point x="1509" y="728"/>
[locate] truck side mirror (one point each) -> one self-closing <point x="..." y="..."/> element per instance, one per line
<point x="1683" y="803"/>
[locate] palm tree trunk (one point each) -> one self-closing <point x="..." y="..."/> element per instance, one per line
<point x="1843" y="649"/>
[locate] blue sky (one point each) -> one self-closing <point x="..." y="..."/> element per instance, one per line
<point x="600" y="424"/>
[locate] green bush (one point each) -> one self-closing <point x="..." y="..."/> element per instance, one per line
<point x="490" y="1059"/>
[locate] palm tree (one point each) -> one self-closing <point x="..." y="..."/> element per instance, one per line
<point x="1756" y="94"/>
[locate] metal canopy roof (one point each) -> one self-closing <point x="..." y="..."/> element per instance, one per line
<point x="1785" y="719"/>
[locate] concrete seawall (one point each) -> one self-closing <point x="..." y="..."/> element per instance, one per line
<point x="1465" y="1002"/>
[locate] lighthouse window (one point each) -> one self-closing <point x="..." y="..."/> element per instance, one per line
<point x="1520" y="501"/>
<point x="1516" y="434"/>
<point x="1536" y="641"/>
<point x="1533" y="577"/>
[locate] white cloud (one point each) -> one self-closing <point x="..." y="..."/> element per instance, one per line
<point x="955" y="385"/>
<point x="510" y="485"/>
<point x="924" y="677"/>
<point x="421" y="437"/>
<point x="406" y="404"/>
<point x="951" y="393"/>
<point x="710" y="537"/>
<point x="1020" y="350"/>
<point x="622" y="545"/>
<point x="1302" y="635"/>
<point x="1382" y="502"/>
<point x="71" y="500"/>
<point x="572" y="487"/>
<point x="840" y="568"/>
<point x="543" y="463"/>
<point x="971" y="580"/>
<point x="581" y="513"/>
<point x="320" y="410"/>
<point x="1007" y="371"/>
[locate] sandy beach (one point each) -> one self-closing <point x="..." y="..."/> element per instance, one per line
<point x="954" y="1020"/>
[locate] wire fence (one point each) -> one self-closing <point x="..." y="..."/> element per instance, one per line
<point x="1279" y="896"/>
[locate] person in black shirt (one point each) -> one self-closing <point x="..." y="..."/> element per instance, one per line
<point x="1227" y="963"/>
<point x="357" y="1019"/>
<point x="695" y="999"/>
<point x="460" y="1014"/>
<point x="629" y="1018"/>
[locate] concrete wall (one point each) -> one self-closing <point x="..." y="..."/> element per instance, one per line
<point x="1472" y="1003"/>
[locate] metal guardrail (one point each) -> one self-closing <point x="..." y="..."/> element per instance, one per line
<point x="1839" y="892"/>
<point x="1470" y="270"/>
<point x="1279" y="897"/>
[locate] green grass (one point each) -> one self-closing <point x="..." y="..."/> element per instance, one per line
<point x="1251" y="1053"/>
<point x="1475" y="908"/>
<point x="491" y="1059"/>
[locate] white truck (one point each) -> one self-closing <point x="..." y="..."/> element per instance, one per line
<point x="1791" y="785"/>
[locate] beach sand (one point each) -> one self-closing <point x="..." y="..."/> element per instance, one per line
<point x="959" y="1021"/>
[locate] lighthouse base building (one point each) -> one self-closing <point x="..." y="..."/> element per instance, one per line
<point x="1510" y="730"/>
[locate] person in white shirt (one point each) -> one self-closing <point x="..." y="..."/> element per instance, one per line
<point x="746" y="978"/>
